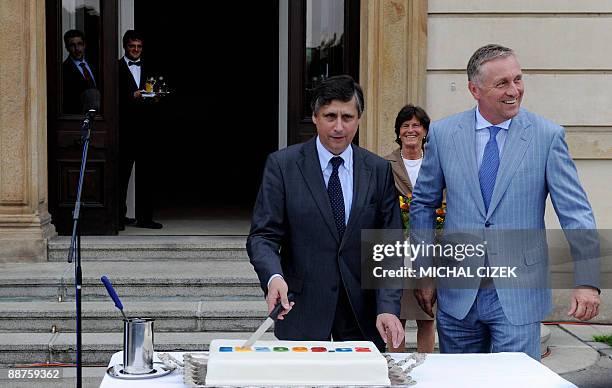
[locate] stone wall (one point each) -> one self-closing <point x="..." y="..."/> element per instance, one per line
<point x="392" y="66"/>
<point x="561" y="45"/>
<point x="24" y="218"/>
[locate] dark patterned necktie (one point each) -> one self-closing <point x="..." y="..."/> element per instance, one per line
<point x="87" y="75"/>
<point x="336" y="199"/>
<point x="489" y="167"/>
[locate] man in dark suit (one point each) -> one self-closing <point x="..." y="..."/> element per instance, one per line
<point x="135" y="133"/>
<point x="314" y="200"/>
<point x="77" y="74"/>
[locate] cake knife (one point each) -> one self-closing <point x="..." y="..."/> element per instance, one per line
<point x="267" y="323"/>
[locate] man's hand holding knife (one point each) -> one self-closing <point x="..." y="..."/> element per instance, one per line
<point x="277" y="292"/>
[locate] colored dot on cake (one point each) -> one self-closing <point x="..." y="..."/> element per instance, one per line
<point x="318" y="349"/>
<point x="225" y="349"/>
<point x="243" y="349"/>
<point x="280" y="349"/>
<point x="345" y="350"/>
<point x="362" y="349"/>
<point x="262" y="349"/>
<point x="299" y="349"/>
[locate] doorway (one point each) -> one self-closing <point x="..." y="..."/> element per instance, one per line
<point x="220" y="61"/>
<point x="220" y="120"/>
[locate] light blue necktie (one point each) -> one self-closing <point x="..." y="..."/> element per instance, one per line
<point x="489" y="167"/>
<point x="336" y="199"/>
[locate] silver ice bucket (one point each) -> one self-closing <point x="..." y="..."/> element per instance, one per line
<point x="138" y="346"/>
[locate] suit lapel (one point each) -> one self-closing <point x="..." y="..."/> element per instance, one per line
<point x="310" y="168"/>
<point x="515" y="147"/>
<point x="361" y="187"/>
<point x="465" y="145"/>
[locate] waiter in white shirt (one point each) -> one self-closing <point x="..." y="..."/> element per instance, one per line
<point x="134" y="133"/>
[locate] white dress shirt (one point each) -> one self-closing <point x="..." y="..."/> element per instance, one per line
<point x="483" y="134"/>
<point x="345" y="174"/>
<point x="135" y="70"/>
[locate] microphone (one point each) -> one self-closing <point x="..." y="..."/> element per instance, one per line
<point x="91" y="103"/>
<point x="90" y="99"/>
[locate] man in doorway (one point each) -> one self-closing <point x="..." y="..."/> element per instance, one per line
<point x="136" y="132"/>
<point x="314" y="200"/>
<point x="77" y="74"/>
<point x="498" y="164"/>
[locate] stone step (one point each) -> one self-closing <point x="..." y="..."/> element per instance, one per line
<point x="197" y="279"/>
<point x="29" y="348"/>
<point x="131" y="248"/>
<point x="202" y="316"/>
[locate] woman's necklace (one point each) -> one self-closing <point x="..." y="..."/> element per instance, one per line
<point x="411" y="160"/>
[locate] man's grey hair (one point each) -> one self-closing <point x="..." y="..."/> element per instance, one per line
<point x="483" y="55"/>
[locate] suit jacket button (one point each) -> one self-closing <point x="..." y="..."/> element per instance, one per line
<point x="487" y="224"/>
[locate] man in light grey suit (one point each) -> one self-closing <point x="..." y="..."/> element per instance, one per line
<point x="498" y="163"/>
<point x="314" y="200"/>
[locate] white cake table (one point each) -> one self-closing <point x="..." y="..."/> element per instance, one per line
<point x="501" y="370"/>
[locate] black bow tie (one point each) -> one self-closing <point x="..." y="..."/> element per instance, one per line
<point x="130" y="63"/>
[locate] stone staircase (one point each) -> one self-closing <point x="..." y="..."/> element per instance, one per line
<point x="197" y="289"/>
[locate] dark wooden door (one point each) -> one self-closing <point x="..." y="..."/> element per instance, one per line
<point x="99" y="212"/>
<point x="318" y="50"/>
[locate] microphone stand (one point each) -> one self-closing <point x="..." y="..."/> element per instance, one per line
<point x="75" y="243"/>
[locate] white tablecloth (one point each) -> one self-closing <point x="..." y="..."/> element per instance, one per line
<point x="498" y="370"/>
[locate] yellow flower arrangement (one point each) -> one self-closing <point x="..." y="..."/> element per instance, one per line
<point x="405" y="209"/>
<point x="405" y="201"/>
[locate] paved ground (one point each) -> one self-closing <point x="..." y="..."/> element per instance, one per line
<point x="598" y="375"/>
<point x="578" y="359"/>
<point x="92" y="377"/>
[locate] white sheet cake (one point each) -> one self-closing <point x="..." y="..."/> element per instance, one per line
<point x="296" y="363"/>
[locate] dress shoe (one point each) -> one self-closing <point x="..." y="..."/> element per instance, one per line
<point x="149" y="225"/>
<point x="128" y="221"/>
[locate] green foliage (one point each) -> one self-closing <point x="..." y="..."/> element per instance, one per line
<point x="607" y="339"/>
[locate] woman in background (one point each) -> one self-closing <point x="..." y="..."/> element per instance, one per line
<point x="411" y="126"/>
